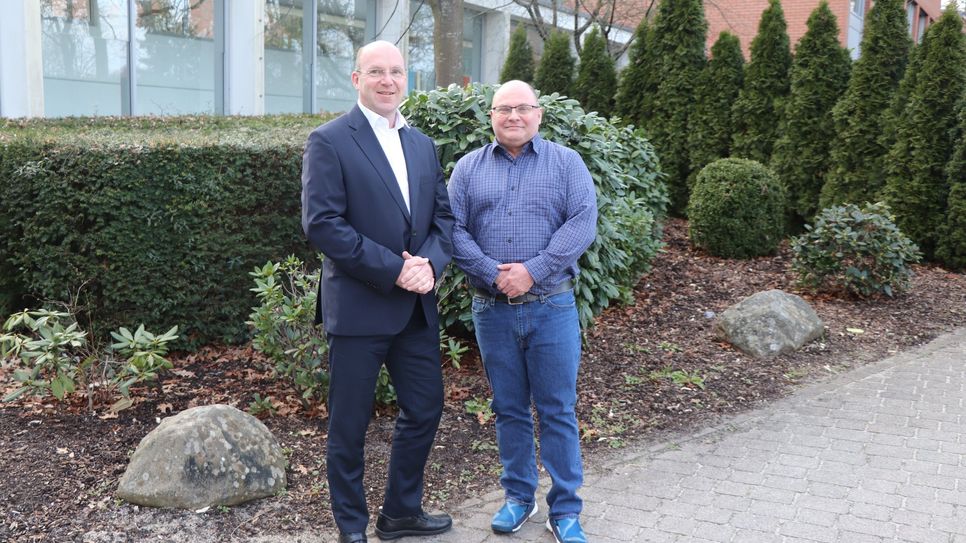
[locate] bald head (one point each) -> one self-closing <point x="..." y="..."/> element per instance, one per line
<point x="380" y="78"/>
<point x="517" y="87"/>
<point x="378" y="47"/>
<point x="515" y="128"/>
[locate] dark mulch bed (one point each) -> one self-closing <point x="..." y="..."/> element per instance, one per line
<point x="60" y="466"/>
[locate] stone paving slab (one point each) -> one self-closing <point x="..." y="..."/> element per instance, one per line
<point x="873" y="455"/>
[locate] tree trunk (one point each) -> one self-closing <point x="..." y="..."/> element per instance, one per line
<point x="448" y="41"/>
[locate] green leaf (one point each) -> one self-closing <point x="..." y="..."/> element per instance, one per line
<point x="15" y="394"/>
<point x="57" y="389"/>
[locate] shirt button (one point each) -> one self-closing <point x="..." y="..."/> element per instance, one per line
<point x="513" y="188"/>
<point x="508" y="212"/>
<point x="509" y="241"/>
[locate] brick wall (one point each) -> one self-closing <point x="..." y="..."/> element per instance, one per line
<point x="741" y="17"/>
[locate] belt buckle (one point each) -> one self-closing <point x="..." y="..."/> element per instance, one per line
<point x="510" y="301"/>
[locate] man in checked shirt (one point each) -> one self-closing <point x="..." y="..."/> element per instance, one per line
<point x="525" y="211"/>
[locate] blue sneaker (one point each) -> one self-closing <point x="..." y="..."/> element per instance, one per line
<point x="566" y="530"/>
<point x="511" y="516"/>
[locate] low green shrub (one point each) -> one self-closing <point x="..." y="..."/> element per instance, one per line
<point x="857" y="251"/>
<point x="737" y="209"/>
<point x="631" y="196"/>
<point x="54" y="355"/>
<point x="284" y="330"/>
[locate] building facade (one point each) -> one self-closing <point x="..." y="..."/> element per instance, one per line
<point x="741" y="17"/>
<point x="223" y="57"/>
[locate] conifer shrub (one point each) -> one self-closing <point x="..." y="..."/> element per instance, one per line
<point x="857" y="251"/>
<point x="638" y="80"/>
<point x="820" y="74"/>
<point x="916" y="187"/>
<point x="952" y="237"/>
<point x="952" y="242"/>
<point x="596" y="76"/>
<point x="758" y="109"/>
<point x="737" y="209"/>
<point x="680" y="35"/>
<point x="519" y="58"/>
<point x="555" y="73"/>
<point x="856" y="172"/>
<point x="710" y="125"/>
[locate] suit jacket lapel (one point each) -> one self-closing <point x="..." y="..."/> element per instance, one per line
<point x="409" y="151"/>
<point x="367" y="141"/>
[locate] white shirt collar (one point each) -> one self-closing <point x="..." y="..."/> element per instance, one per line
<point x="377" y="121"/>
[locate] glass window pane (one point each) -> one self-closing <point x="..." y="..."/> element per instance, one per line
<point x="422" y="69"/>
<point x="176" y="57"/>
<point x="283" y="56"/>
<point x="472" y="45"/>
<point x="422" y="66"/>
<point x="84" y="49"/>
<point x="342" y="30"/>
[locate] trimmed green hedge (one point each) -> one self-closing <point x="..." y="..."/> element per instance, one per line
<point x="159" y="220"/>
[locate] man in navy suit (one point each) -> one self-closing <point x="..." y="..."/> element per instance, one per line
<point x="374" y="201"/>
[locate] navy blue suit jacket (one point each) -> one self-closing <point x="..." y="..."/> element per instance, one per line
<point x="353" y="211"/>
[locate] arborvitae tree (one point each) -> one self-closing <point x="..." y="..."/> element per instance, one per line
<point x="638" y="80"/>
<point x="519" y="58"/>
<point x="596" y="76"/>
<point x="891" y="116"/>
<point x="856" y="175"/>
<point x="709" y="127"/>
<point x="758" y="109"/>
<point x="680" y="35"/>
<point x="820" y="75"/>
<point x="555" y="73"/>
<point x="915" y="166"/>
<point x="952" y="238"/>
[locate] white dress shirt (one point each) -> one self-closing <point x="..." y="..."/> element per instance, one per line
<point x="391" y="146"/>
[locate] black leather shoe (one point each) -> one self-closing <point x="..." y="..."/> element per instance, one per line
<point x="352" y="537"/>
<point x="421" y="524"/>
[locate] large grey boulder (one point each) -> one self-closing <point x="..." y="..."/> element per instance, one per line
<point x="204" y="456"/>
<point x="769" y="323"/>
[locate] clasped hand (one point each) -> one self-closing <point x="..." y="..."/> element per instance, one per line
<point x="416" y="275"/>
<point x="513" y="279"/>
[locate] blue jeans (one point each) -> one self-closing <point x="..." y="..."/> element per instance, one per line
<point x="530" y="352"/>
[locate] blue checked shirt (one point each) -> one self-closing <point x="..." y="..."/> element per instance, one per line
<point x="539" y="209"/>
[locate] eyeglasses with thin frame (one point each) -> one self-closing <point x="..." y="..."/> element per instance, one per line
<point x="379" y="73"/>
<point x="522" y="109"/>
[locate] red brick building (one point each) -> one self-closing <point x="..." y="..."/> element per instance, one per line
<point x="741" y="18"/>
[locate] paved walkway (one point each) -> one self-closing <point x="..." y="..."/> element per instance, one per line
<point x="875" y="455"/>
